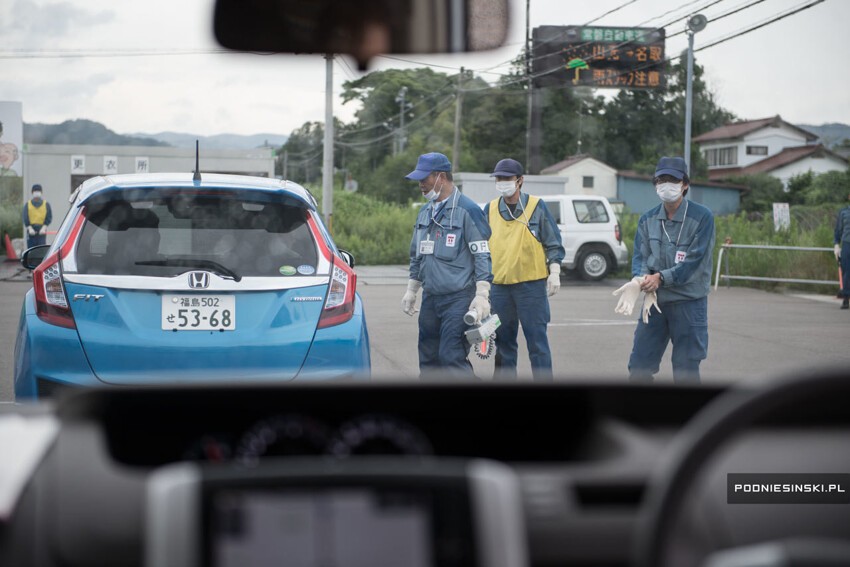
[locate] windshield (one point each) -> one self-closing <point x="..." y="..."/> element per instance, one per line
<point x="587" y="97"/>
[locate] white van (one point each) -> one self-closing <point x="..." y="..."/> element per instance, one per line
<point x="590" y="232"/>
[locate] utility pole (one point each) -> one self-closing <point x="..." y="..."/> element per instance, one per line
<point x="402" y="107"/>
<point x="528" y="81"/>
<point x="695" y="23"/>
<point x="285" y="163"/>
<point x="458" y="109"/>
<point x="328" y="157"/>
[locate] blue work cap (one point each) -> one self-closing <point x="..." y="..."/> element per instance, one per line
<point x="507" y="168"/>
<point x="674" y="166"/>
<point x="428" y="163"/>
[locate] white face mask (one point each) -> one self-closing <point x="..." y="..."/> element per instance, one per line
<point x="36" y="194"/>
<point x="506" y="188"/>
<point x="433" y="193"/>
<point x="669" y="192"/>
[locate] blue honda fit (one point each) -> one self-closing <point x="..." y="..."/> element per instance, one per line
<point x="156" y="278"/>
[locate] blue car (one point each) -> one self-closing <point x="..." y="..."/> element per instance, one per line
<point x="156" y="278"/>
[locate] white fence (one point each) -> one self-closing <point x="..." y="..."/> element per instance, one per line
<point x="728" y="278"/>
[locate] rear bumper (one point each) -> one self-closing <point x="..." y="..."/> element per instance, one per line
<point x="341" y="351"/>
<point x="47" y="357"/>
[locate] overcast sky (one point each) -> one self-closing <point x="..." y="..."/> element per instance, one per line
<point x="795" y="67"/>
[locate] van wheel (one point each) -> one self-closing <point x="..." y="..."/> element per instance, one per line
<point x="594" y="265"/>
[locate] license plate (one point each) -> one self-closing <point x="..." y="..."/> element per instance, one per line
<point x="199" y="312"/>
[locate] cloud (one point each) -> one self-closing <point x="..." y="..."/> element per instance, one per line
<point x="34" y="23"/>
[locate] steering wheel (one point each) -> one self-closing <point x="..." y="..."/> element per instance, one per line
<point x="699" y="440"/>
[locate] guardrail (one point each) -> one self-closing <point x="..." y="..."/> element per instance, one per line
<point x="728" y="278"/>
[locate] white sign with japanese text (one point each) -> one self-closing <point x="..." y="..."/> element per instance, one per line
<point x="110" y="164"/>
<point x="78" y="164"/>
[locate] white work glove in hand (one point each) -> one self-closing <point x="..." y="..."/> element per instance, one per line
<point x="628" y="296"/>
<point x="837" y="252"/>
<point x="481" y="301"/>
<point x="408" y="302"/>
<point x="42" y="230"/>
<point x="648" y="301"/>
<point x="553" y="282"/>
<point x="31" y="231"/>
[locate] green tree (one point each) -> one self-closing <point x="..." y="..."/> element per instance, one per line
<point x="798" y="186"/>
<point x="829" y="187"/>
<point x="764" y="190"/>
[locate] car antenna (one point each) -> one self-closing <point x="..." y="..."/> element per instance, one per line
<point x="197" y="176"/>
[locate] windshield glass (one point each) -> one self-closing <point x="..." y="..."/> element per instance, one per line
<point x="167" y="236"/>
<point x="586" y="97"/>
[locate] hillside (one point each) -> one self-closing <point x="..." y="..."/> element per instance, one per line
<point x="218" y="141"/>
<point x="90" y="133"/>
<point x="86" y="132"/>
<point x="831" y="134"/>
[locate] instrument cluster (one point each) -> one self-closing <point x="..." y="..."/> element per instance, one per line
<point x="295" y="434"/>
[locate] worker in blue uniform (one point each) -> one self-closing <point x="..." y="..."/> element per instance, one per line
<point x="842" y="253"/>
<point x="36" y="215"/>
<point x="450" y="262"/>
<point x="672" y="266"/>
<point x="526" y="252"/>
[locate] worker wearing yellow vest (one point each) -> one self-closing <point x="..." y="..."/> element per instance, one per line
<point x="526" y="252"/>
<point x="36" y="216"/>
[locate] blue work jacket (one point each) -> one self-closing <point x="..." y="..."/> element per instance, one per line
<point x="461" y="256"/>
<point x="680" y="248"/>
<point x="842" y="226"/>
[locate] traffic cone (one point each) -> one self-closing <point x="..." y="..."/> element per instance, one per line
<point x="11" y="255"/>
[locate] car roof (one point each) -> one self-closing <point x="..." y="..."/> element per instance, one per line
<point x="106" y="183"/>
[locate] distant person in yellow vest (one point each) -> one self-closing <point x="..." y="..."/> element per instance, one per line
<point x="37" y="215"/>
<point x="526" y="251"/>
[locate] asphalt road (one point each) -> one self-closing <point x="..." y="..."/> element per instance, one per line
<point x="751" y="333"/>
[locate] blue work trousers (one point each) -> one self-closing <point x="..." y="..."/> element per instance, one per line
<point x="443" y="349"/>
<point x="35" y="239"/>
<point x="845" y="268"/>
<point x="525" y="304"/>
<point x="685" y="323"/>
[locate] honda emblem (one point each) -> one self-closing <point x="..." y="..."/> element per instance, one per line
<point x="199" y="280"/>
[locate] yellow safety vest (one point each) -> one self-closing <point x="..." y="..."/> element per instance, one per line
<point x="37" y="215"/>
<point x="516" y="254"/>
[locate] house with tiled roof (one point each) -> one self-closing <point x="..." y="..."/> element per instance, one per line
<point x="768" y="145"/>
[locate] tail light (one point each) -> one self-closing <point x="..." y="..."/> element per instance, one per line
<point x="51" y="301"/>
<point x="617" y="232"/>
<point x="339" y="305"/>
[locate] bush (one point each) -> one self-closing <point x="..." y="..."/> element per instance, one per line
<point x="10" y="222"/>
<point x="374" y="231"/>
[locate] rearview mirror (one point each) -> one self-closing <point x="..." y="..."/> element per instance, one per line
<point x="361" y="28"/>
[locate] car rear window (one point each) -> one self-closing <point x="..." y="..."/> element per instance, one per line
<point x="165" y="236"/>
<point x="590" y="211"/>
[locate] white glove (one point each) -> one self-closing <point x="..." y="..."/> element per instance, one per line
<point x="481" y="301"/>
<point x="31" y="231"/>
<point x="553" y="282"/>
<point x="628" y="296"/>
<point x="837" y="252"/>
<point x="408" y="302"/>
<point x="43" y="229"/>
<point x="648" y="301"/>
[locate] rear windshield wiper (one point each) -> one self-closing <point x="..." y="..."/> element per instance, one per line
<point x="215" y="267"/>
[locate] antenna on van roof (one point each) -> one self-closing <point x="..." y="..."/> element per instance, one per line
<point x="197" y="176"/>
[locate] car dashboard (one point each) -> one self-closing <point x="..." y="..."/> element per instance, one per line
<point x="580" y="458"/>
